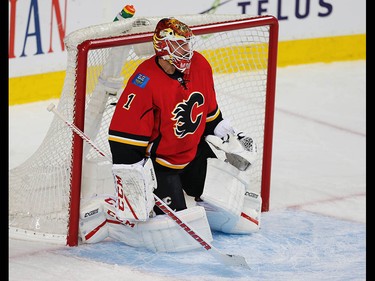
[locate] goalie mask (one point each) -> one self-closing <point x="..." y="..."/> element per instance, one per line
<point x="173" y="42"/>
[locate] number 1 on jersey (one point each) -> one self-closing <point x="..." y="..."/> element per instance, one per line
<point x="130" y="99"/>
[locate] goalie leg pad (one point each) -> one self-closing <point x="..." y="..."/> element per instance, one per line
<point x="162" y="234"/>
<point x="230" y="207"/>
<point x="92" y="222"/>
<point x="135" y="185"/>
<point x="249" y="220"/>
<point x="98" y="220"/>
<point x="222" y="195"/>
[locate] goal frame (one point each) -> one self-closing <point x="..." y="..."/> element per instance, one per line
<point x="79" y="118"/>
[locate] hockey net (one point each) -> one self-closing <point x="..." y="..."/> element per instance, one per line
<point x="45" y="191"/>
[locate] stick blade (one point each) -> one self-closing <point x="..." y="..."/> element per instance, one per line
<point x="232" y="260"/>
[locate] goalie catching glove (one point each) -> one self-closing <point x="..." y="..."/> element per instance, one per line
<point x="135" y="184"/>
<point x="240" y="150"/>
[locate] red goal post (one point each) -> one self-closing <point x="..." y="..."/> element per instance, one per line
<point x="242" y="51"/>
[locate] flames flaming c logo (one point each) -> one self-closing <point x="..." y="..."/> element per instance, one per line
<point x="186" y="123"/>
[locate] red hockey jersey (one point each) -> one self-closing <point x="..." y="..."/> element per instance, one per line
<point x="164" y="117"/>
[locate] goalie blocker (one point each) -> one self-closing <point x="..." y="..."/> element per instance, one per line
<point x="135" y="184"/>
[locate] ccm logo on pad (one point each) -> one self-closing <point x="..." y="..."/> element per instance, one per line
<point x="93" y="212"/>
<point x="251" y="194"/>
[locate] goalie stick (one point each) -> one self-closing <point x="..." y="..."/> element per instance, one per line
<point x="227" y="259"/>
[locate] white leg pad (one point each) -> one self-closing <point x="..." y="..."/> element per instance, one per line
<point x="159" y="234"/>
<point x="249" y="220"/>
<point x="229" y="206"/>
<point x="162" y="234"/>
<point x="92" y="222"/>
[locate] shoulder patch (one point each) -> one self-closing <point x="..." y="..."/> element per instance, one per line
<point x="140" y="80"/>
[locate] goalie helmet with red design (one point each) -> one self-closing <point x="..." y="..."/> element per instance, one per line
<point x="173" y="42"/>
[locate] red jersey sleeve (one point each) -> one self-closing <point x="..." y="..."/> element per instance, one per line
<point x="132" y="122"/>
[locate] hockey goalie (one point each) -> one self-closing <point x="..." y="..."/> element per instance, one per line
<point x="168" y="138"/>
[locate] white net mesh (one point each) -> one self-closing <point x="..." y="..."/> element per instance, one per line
<point x="40" y="188"/>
